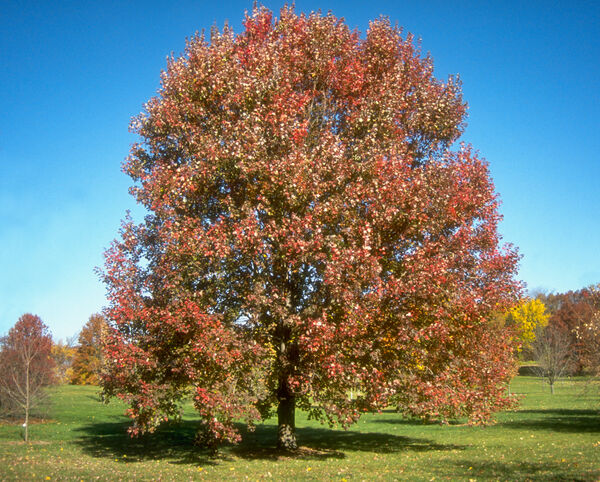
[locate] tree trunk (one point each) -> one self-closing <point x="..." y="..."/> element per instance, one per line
<point x="27" y="403"/>
<point x="286" y="418"/>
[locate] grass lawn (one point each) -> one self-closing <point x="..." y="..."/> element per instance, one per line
<point x="548" y="437"/>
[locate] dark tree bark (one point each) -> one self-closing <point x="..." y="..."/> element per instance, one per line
<point x="286" y="418"/>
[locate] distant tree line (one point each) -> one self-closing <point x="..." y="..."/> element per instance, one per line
<point x="575" y="316"/>
<point x="559" y="332"/>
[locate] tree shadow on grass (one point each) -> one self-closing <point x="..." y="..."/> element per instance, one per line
<point x="174" y="442"/>
<point x="518" y="470"/>
<point x="320" y="443"/>
<point x="398" y="419"/>
<point x="557" y="420"/>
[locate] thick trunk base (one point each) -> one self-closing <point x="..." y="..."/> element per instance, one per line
<point x="286" y="421"/>
<point x="286" y="438"/>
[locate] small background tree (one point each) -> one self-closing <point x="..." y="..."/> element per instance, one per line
<point x="26" y="366"/>
<point x="554" y="354"/>
<point x="87" y="359"/>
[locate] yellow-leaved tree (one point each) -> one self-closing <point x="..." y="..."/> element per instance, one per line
<point x="528" y="317"/>
<point x="87" y="361"/>
<point x="63" y="353"/>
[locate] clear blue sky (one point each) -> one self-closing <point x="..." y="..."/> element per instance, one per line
<point x="72" y="73"/>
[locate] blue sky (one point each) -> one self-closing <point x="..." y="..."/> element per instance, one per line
<point x="74" y="72"/>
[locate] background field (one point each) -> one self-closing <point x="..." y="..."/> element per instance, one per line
<point x="548" y="437"/>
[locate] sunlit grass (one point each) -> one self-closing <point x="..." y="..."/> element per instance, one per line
<point x="548" y="437"/>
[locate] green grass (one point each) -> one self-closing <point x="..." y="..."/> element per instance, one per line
<point x="548" y="437"/>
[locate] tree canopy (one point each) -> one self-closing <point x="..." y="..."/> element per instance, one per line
<point x="573" y="313"/>
<point x="311" y="233"/>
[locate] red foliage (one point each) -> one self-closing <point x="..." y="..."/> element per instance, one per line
<point x="28" y="344"/>
<point x="310" y="234"/>
<point x="27" y="365"/>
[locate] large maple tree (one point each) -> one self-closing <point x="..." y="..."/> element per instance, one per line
<point x="312" y="239"/>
